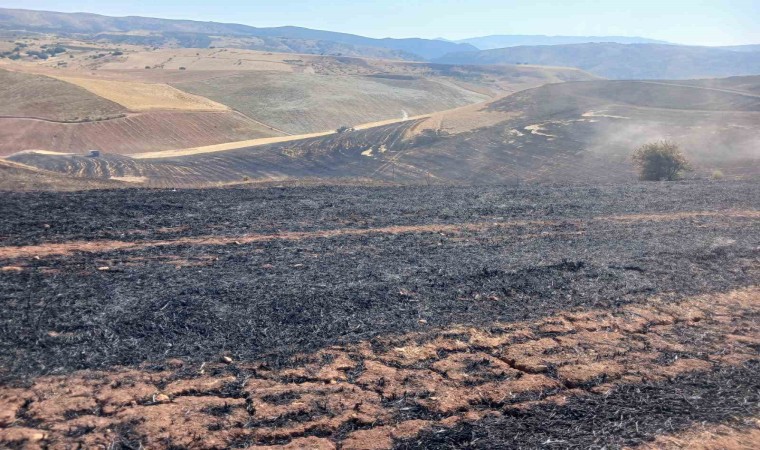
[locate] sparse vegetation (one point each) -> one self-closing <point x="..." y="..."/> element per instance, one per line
<point x="660" y="161"/>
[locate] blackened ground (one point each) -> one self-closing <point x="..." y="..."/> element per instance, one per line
<point x="274" y="298"/>
<point x="629" y="415"/>
<point x="137" y="214"/>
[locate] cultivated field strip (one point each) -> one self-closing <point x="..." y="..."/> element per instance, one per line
<point x="332" y="156"/>
<point x="386" y="392"/>
<point x="305" y="103"/>
<point x="135" y="133"/>
<point x="144" y="96"/>
<point x="61" y="102"/>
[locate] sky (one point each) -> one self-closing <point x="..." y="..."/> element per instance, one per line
<point x="695" y="22"/>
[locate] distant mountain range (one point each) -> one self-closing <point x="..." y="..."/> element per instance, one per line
<point x="743" y="48"/>
<point x="616" y="57"/>
<point x="623" y="61"/>
<point x="503" y="41"/>
<point x="194" y="32"/>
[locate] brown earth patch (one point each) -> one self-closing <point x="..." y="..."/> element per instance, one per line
<point x="368" y="394"/>
<point x="65" y="248"/>
<point x="740" y="436"/>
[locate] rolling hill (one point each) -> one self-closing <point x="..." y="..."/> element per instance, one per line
<point x="577" y="132"/>
<point x="196" y="98"/>
<point x="187" y="33"/>
<point x="40" y="97"/>
<point x="502" y="41"/>
<point x="623" y="61"/>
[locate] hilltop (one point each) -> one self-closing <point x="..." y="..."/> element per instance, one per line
<point x="623" y="61"/>
<point x="188" y="33"/>
<point x="515" y="40"/>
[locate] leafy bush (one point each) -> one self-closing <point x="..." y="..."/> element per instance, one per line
<point x="660" y="161"/>
<point x="55" y="50"/>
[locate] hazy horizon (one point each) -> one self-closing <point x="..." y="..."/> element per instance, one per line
<point x="704" y="23"/>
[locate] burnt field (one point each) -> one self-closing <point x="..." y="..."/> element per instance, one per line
<point x="380" y="317"/>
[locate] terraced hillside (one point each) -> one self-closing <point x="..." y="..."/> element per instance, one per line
<point x="135" y="133"/>
<point x="164" y="64"/>
<point x="570" y="132"/>
<point x="75" y="114"/>
<point x="274" y="95"/>
<point x="18" y="178"/>
<point x="304" y="103"/>
<point x="405" y="317"/>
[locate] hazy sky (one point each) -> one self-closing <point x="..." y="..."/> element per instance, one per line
<point x="702" y="22"/>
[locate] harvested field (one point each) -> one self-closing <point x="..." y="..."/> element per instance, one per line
<point x="45" y="98"/>
<point x="135" y="133"/>
<point x="307" y="103"/>
<point x="355" y="318"/>
<point x="143" y="96"/>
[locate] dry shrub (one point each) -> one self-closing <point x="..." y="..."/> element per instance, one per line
<point x="660" y="161"/>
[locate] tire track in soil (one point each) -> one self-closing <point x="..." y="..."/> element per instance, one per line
<point x="67" y="248"/>
<point x="385" y="392"/>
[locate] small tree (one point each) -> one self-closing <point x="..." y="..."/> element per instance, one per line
<point x="660" y="161"/>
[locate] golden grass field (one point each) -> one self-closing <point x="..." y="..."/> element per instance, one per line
<point x="143" y="96"/>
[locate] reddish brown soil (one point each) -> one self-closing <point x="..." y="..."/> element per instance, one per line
<point x="743" y="436"/>
<point x="457" y="374"/>
<point x="144" y="132"/>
